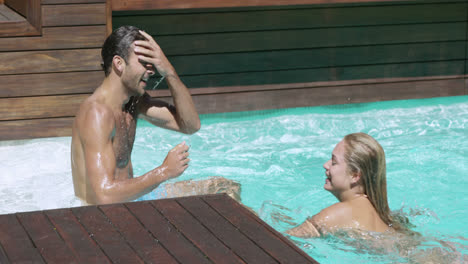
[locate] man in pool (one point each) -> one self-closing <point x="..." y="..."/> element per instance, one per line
<point x="104" y="128"/>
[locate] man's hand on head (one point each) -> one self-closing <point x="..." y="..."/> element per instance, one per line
<point x="148" y="51"/>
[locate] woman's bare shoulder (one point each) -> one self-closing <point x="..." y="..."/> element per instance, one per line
<point x="336" y="215"/>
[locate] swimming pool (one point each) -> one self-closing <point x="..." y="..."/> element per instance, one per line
<point x="277" y="156"/>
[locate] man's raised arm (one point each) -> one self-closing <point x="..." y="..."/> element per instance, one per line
<point x="184" y="118"/>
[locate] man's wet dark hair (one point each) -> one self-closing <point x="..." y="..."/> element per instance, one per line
<point x="118" y="43"/>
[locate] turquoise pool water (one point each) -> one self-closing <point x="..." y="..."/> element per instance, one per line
<point x="277" y="156"/>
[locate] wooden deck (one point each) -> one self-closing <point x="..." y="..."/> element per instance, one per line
<point x="197" y="229"/>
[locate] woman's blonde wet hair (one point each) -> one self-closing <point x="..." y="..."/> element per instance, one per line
<point x="366" y="156"/>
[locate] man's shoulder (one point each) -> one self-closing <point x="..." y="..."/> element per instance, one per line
<point x="95" y="115"/>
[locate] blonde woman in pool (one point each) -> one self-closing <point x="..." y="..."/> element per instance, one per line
<point x="356" y="176"/>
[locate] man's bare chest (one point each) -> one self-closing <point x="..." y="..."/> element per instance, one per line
<point x="124" y="137"/>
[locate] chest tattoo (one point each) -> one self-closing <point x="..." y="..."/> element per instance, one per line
<point x="125" y="128"/>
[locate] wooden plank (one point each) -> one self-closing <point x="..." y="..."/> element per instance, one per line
<point x="213" y="248"/>
<point x="266" y="237"/>
<point x="466" y="86"/>
<point x="76" y="237"/>
<point x="58" y="38"/>
<point x="104" y="233"/>
<point x="40" y="107"/>
<point x="36" y="128"/>
<point x="50" y="83"/>
<point x="311" y="38"/>
<point x="45" y="238"/>
<point x="225" y="231"/>
<point x="16" y="243"/>
<point x="167" y="234"/>
<point x="315" y="58"/>
<point x="3" y="256"/>
<point x="148" y="248"/>
<point x="61" y="2"/>
<point x="119" y="5"/>
<point x="34" y="15"/>
<point x="325" y="95"/>
<point x="108" y="17"/>
<point x="73" y="15"/>
<point x="207" y="21"/>
<point x="21" y="28"/>
<point x="50" y="61"/>
<point x="285" y="86"/>
<point x="402" y="70"/>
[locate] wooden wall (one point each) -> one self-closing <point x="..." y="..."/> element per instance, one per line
<point x="262" y="57"/>
<point x="244" y="55"/>
<point x="44" y="78"/>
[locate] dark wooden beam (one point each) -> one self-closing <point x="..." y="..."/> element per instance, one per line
<point x="20" y="6"/>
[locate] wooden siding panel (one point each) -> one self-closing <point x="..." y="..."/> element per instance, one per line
<point x="58" y="38"/>
<point x="50" y="61"/>
<point x="316" y="58"/>
<point x="325" y="95"/>
<point x="50" y="83"/>
<point x="59" y="2"/>
<point x="36" y="128"/>
<point x="466" y="86"/>
<point x="442" y="68"/>
<point x="214" y="100"/>
<point x="310" y="38"/>
<point x="72" y="15"/>
<point x="317" y="42"/>
<point x="163" y="23"/>
<point x="184" y="4"/>
<point x="18" y="29"/>
<point x="40" y="107"/>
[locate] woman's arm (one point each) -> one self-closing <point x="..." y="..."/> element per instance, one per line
<point x="306" y="229"/>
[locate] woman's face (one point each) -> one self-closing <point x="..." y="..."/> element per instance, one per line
<point x="338" y="179"/>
